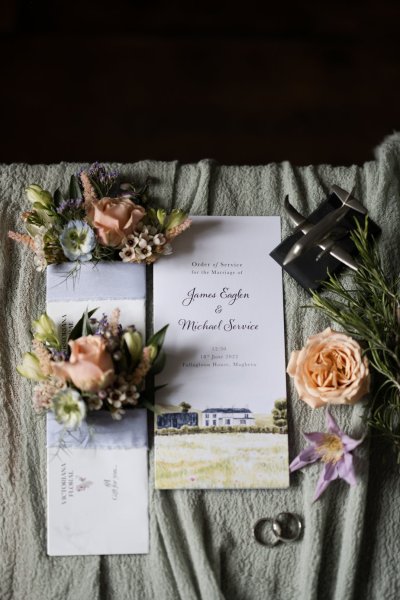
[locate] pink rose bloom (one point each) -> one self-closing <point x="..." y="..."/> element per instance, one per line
<point x="90" y="366"/>
<point x="330" y="369"/>
<point x="114" y="219"/>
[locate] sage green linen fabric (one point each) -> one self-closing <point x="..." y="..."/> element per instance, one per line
<point x="202" y="546"/>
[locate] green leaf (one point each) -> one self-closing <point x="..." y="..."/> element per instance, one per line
<point x="159" y="387"/>
<point x="147" y="404"/>
<point x="97" y="187"/>
<point x="161" y="216"/>
<point x="152" y="216"/>
<point x="158" y="338"/>
<point x="158" y="364"/>
<point x="83" y="326"/>
<point x="74" y="188"/>
<point x="58" y="197"/>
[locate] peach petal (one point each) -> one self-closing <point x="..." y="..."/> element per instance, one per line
<point x="291" y="368"/>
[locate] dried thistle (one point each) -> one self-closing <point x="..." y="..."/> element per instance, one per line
<point x="114" y="321"/>
<point x="175" y="231"/>
<point x="143" y="367"/>
<point x="89" y="193"/>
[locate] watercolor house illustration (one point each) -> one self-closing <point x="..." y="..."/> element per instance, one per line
<point x="215" y="417"/>
<point x="177" y="420"/>
<point x="211" y="417"/>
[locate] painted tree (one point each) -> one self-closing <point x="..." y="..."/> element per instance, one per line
<point x="279" y="415"/>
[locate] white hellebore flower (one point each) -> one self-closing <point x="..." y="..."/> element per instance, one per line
<point x="44" y="329"/>
<point x="39" y="197"/>
<point x="30" y="367"/>
<point x="69" y="408"/>
<point x="133" y="340"/>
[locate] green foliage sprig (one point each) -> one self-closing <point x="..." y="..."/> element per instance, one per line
<point x="370" y="311"/>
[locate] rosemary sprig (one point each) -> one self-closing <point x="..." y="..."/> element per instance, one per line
<point x="370" y="311"/>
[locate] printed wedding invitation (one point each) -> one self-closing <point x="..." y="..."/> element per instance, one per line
<point x="221" y="419"/>
<point x="97" y="480"/>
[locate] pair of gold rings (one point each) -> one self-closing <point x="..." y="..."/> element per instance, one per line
<point x="285" y="528"/>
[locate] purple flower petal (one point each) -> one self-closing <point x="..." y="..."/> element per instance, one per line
<point x="350" y="443"/>
<point x="330" y="471"/>
<point x="316" y="437"/>
<point x="306" y="457"/>
<point x="346" y="470"/>
<point x="332" y="425"/>
<point x="321" y="486"/>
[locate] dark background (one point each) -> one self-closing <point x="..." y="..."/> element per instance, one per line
<point x="242" y="82"/>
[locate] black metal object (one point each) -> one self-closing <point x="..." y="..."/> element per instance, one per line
<point x="312" y="268"/>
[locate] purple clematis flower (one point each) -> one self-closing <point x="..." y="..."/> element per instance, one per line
<point x="334" y="450"/>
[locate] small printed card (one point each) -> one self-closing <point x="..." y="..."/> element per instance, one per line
<point x="221" y="421"/>
<point x="97" y="481"/>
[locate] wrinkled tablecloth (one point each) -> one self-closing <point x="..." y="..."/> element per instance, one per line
<point x="202" y="545"/>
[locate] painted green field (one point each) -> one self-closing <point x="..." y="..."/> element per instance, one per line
<point x="214" y="460"/>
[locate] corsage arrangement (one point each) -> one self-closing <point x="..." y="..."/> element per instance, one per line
<point x="334" y="368"/>
<point x="97" y="218"/>
<point x="104" y="367"/>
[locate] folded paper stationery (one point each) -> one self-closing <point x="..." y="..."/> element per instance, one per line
<point x="97" y="480"/>
<point x="97" y="486"/>
<point x="105" y="285"/>
<point x="221" y="420"/>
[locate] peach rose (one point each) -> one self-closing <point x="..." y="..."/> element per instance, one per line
<point x="329" y="369"/>
<point x="114" y="219"/>
<point x="90" y="366"/>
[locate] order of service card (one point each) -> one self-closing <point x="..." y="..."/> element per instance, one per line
<point x="221" y="419"/>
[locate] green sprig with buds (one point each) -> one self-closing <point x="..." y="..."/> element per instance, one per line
<point x="370" y="310"/>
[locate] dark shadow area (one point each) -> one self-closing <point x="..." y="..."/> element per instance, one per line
<point x="381" y="528"/>
<point x="243" y="83"/>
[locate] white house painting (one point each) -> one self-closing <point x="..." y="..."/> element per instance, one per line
<point x="217" y="417"/>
